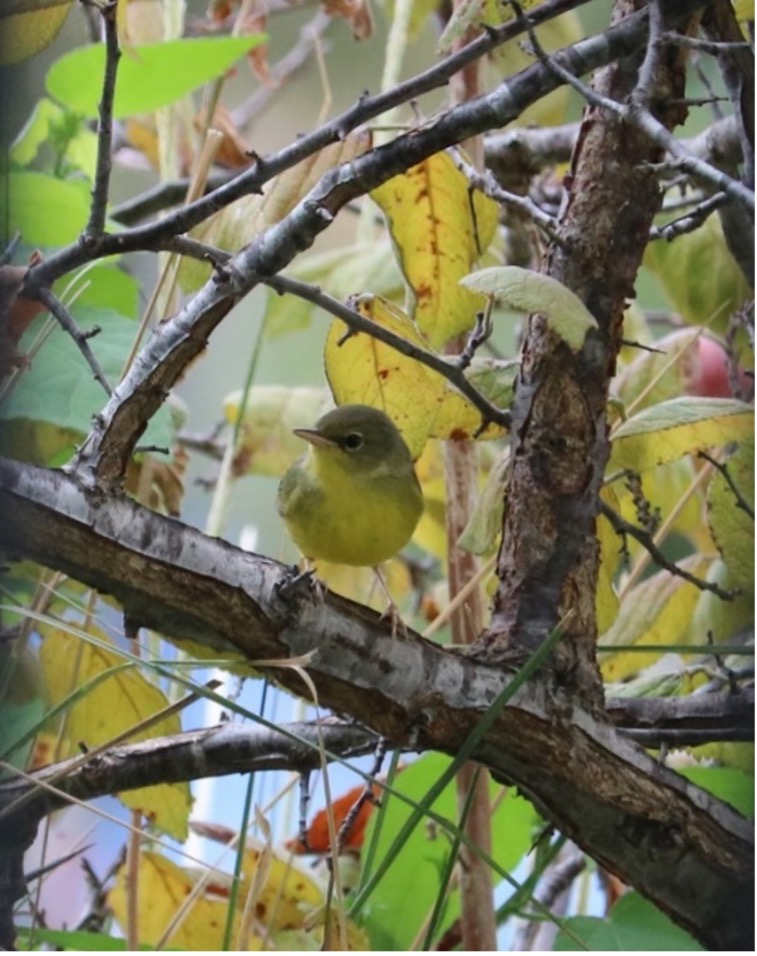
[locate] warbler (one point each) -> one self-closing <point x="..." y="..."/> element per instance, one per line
<point x="354" y="497"/>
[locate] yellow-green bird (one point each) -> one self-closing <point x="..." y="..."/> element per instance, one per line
<point x="354" y="497"/>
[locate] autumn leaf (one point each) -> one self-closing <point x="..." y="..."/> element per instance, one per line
<point x="317" y="835"/>
<point x="731" y="526"/>
<point x="420" y="400"/>
<point x="659" y="610"/>
<point x="671" y="429"/>
<point x="440" y="227"/>
<point x="29" y="26"/>
<point x="162" y="889"/>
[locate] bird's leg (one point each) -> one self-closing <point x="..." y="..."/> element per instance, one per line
<point x="391" y="611"/>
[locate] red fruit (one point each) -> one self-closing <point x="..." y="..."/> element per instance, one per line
<point x="712" y="379"/>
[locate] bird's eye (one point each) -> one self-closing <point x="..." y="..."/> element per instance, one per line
<point x="353" y="441"/>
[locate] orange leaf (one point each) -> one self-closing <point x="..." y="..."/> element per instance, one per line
<point x="318" y="840"/>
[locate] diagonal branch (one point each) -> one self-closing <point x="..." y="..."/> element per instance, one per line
<point x="358" y="323"/>
<point x="646" y="540"/>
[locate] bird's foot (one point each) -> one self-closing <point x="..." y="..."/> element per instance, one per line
<point x="392" y="612"/>
<point x="299" y="580"/>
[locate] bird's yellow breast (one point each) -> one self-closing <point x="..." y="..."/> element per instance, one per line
<point x="347" y="516"/>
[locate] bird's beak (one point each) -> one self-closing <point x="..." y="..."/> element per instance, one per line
<point x="314" y="437"/>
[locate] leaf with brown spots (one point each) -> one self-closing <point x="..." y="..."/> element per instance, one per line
<point x="440" y="228"/>
<point x="162" y="888"/>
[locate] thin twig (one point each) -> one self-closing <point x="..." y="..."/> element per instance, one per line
<point x="367" y="794"/>
<point x="96" y="223"/>
<point x="484" y="181"/>
<point x="722" y="467"/>
<point x="691" y="221"/>
<point x="623" y="527"/>
<point x="56" y="308"/>
<point x="359" y="323"/>
<point x="704" y="46"/>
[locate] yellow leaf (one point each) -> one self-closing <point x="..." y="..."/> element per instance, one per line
<point x="162" y="888"/>
<point x="725" y="620"/>
<point x="28" y="27"/>
<point x="659" y="610"/>
<point x="440" y="228"/>
<point x="421" y="402"/>
<point x="663" y="488"/>
<point x="732" y="528"/>
<point x="431" y="533"/>
<point x="678" y="427"/>
<point x="744" y="9"/>
<point x="360" y="369"/>
<point x="109" y="708"/>
<point x="288" y="891"/>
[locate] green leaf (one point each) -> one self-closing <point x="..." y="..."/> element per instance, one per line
<point x="104" y="286"/>
<point x="149" y="76"/>
<point x="35" y="132"/>
<point x="59" y="389"/>
<point x="485" y="523"/>
<point x="634" y="925"/>
<point x="699" y="275"/>
<point x="400" y="903"/>
<point x="75" y="940"/>
<point x="678" y="427"/>
<point x="726" y="783"/>
<point x="530" y="291"/>
<point x="46" y="211"/>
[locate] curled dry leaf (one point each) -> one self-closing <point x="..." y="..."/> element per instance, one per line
<point x="356" y="12"/>
<point x="16" y="314"/>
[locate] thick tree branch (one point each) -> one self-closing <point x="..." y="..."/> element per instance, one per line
<point x="549" y="558"/>
<point x="685" y="721"/>
<point x="687" y="851"/>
